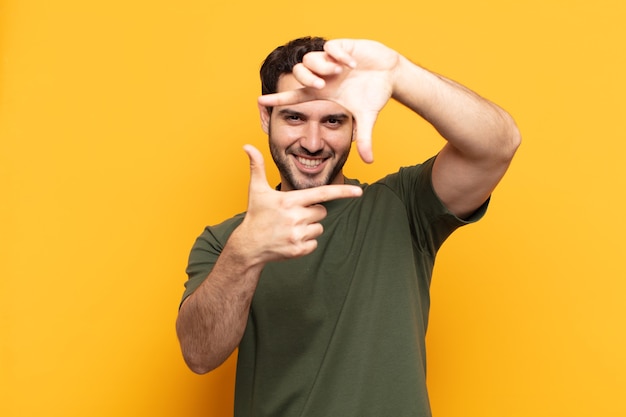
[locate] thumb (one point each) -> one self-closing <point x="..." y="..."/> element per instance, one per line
<point x="257" y="167"/>
<point x="365" y="126"/>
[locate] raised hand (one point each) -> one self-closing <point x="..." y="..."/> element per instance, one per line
<point x="357" y="74"/>
<point x="282" y="225"/>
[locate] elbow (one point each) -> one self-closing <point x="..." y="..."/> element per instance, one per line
<point x="510" y="138"/>
<point x="197" y="358"/>
<point x="195" y="351"/>
<point x="198" y="366"/>
<point x="200" y="359"/>
<point x="198" y="362"/>
<point x="515" y="139"/>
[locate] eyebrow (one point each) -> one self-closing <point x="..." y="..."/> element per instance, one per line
<point x="338" y="116"/>
<point x="290" y="112"/>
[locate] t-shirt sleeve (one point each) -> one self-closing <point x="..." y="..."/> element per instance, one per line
<point x="205" y="251"/>
<point x="430" y="220"/>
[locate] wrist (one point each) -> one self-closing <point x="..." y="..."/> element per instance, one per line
<point x="240" y="252"/>
<point x="412" y="84"/>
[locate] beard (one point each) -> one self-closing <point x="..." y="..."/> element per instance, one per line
<point x="297" y="180"/>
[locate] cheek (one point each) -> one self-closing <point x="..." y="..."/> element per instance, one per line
<point x="340" y="139"/>
<point x="285" y="136"/>
<point x="279" y="133"/>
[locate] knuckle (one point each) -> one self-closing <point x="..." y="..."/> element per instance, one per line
<point x="298" y="250"/>
<point x="316" y="230"/>
<point x="286" y="203"/>
<point x="319" y="211"/>
<point x="295" y="237"/>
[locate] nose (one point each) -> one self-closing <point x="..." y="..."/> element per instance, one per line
<point x="312" y="139"/>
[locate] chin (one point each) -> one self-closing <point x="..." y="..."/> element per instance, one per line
<point x="302" y="182"/>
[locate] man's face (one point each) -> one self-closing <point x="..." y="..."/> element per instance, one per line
<point x="310" y="141"/>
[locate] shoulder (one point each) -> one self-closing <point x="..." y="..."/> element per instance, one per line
<point x="215" y="236"/>
<point x="207" y="249"/>
<point x="407" y="182"/>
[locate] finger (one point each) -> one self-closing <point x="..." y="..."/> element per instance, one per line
<point x="299" y="95"/>
<point x="307" y="77"/>
<point x="257" y="167"/>
<point x="339" y="50"/>
<point x="320" y="63"/>
<point x="308" y="247"/>
<point x="364" y="128"/>
<point x="313" y="231"/>
<point x="316" y="213"/>
<point x="324" y="193"/>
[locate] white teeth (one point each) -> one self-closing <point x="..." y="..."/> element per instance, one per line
<point x="310" y="163"/>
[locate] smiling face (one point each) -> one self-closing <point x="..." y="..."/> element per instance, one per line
<point x="309" y="142"/>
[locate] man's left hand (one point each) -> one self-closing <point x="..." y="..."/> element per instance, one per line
<point x="357" y="74"/>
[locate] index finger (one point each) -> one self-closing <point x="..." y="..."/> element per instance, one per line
<point x="299" y="95"/>
<point x="324" y="193"/>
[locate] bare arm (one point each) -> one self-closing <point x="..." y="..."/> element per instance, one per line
<point x="212" y="320"/>
<point x="278" y="225"/>
<point x="362" y="75"/>
<point x="481" y="137"/>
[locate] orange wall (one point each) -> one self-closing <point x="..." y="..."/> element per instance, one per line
<point x="121" y="127"/>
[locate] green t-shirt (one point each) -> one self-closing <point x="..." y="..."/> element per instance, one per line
<point x="341" y="332"/>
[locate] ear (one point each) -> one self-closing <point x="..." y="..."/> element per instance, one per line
<point x="353" y="129"/>
<point x="265" y="118"/>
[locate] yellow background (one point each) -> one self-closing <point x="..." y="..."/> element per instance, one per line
<point x="121" y="127"/>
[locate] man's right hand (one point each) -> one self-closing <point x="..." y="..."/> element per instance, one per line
<point x="283" y="225"/>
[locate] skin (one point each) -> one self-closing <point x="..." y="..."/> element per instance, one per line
<point x="309" y="142"/>
<point x="278" y="225"/>
<point x="362" y="75"/>
<point x="351" y="77"/>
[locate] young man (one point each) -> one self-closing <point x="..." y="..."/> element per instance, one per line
<point x="325" y="288"/>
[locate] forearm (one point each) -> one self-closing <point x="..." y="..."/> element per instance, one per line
<point x="212" y="320"/>
<point x="475" y="126"/>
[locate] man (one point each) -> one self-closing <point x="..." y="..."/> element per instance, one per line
<point x="323" y="284"/>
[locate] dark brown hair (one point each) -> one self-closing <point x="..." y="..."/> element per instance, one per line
<point x="282" y="60"/>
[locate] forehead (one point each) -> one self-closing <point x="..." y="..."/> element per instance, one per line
<point x="288" y="82"/>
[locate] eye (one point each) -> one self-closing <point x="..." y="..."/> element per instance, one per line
<point x="292" y="118"/>
<point x="334" y="122"/>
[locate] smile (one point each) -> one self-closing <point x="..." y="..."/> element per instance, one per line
<point x="309" y="163"/>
